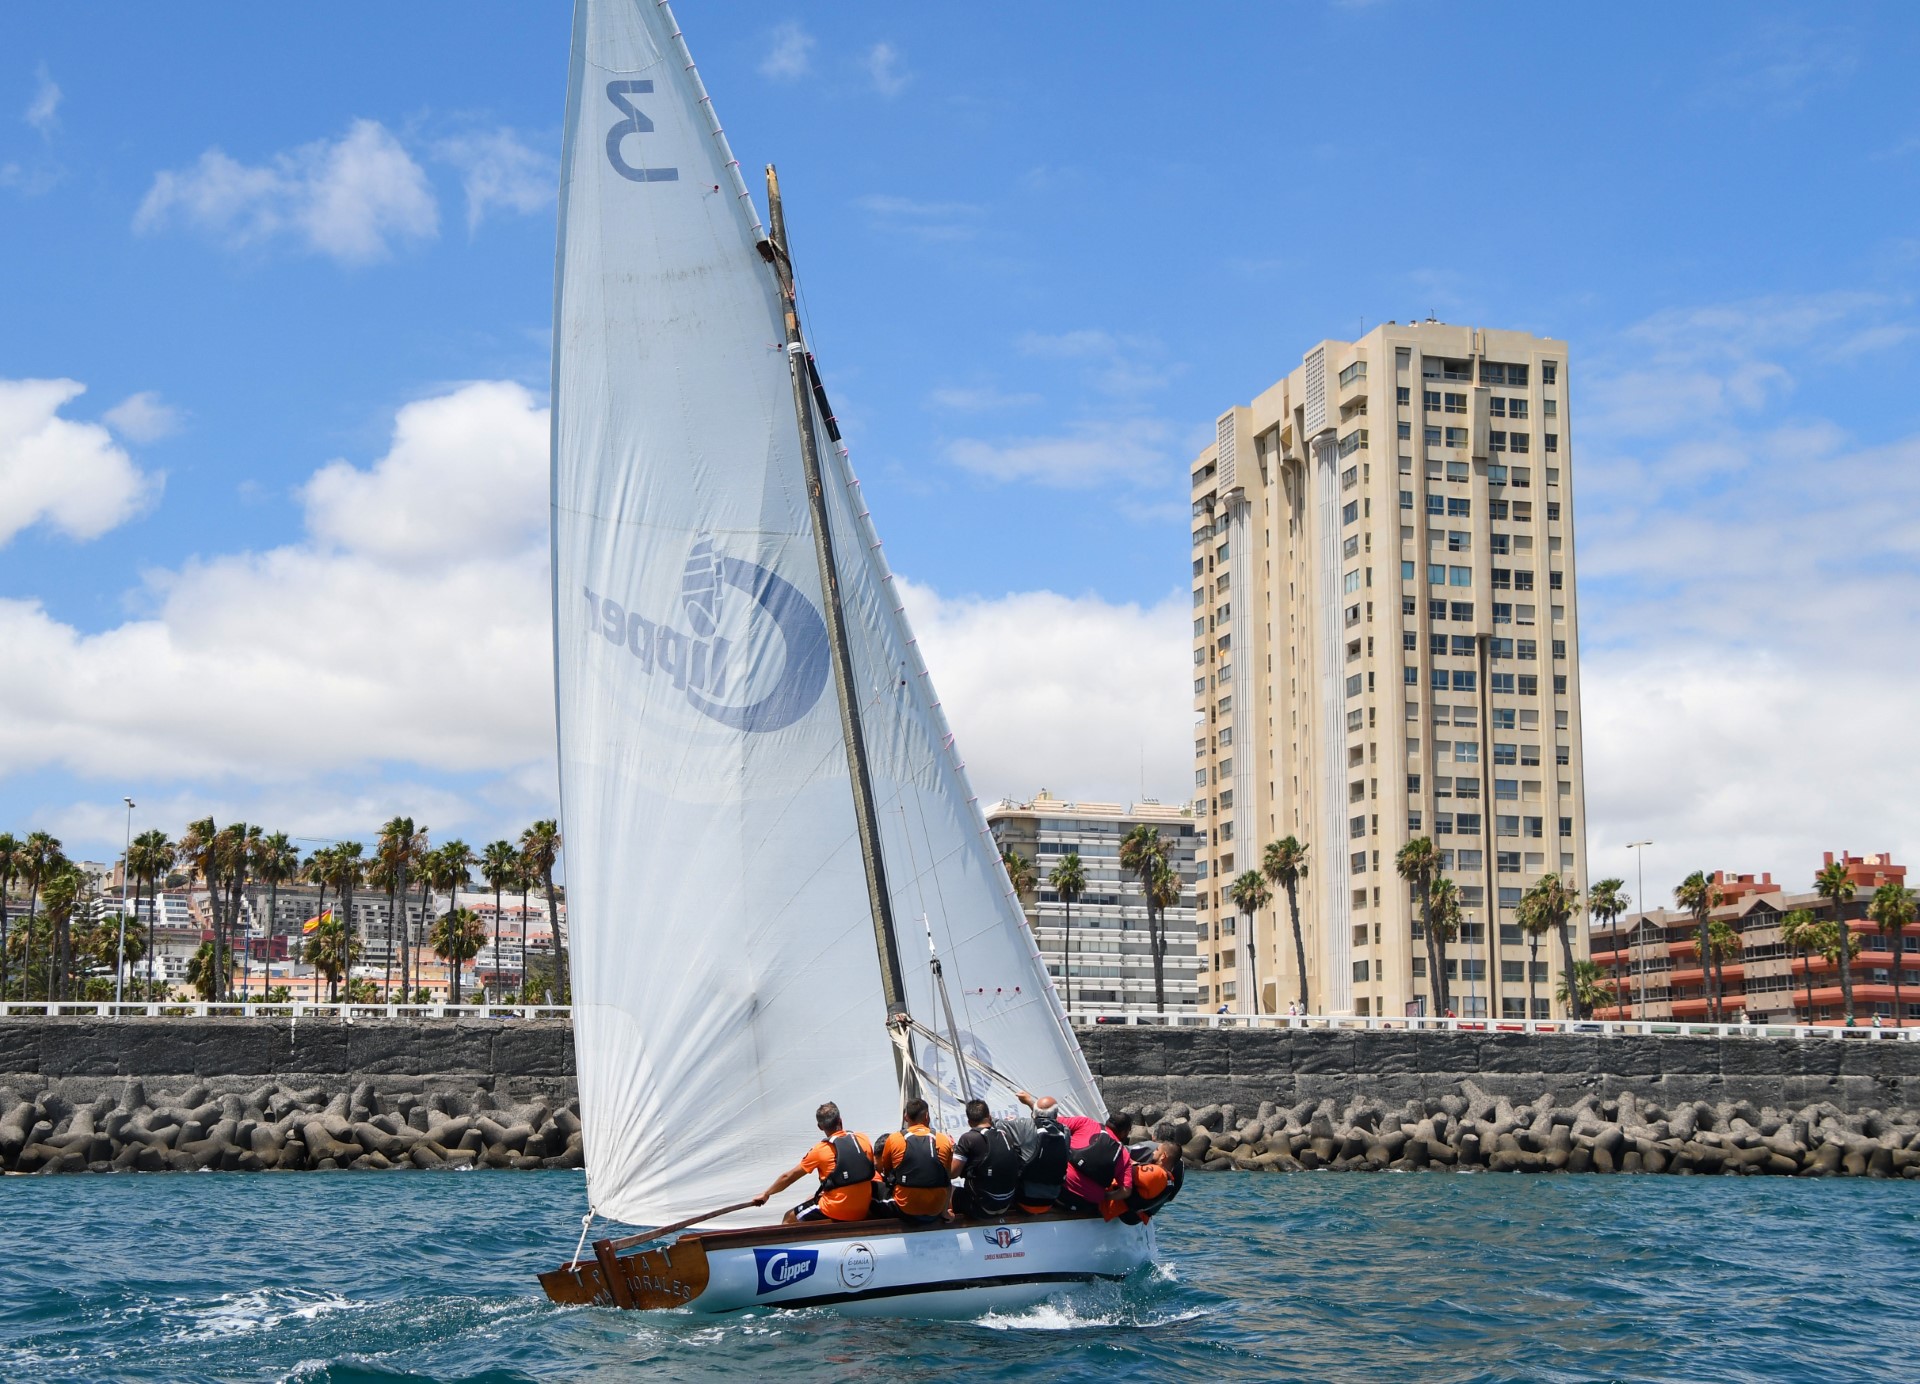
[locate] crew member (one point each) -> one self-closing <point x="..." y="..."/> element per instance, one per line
<point x="844" y="1163"/>
<point x="1158" y="1174"/>
<point x="988" y="1160"/>
<point x="918" y="1165"/>
<point x="1099" y="1168"/>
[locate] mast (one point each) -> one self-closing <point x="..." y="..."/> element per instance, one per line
<point x="799" y="368"/>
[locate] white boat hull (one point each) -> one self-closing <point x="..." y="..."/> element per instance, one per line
<point x="867" y="1268"/>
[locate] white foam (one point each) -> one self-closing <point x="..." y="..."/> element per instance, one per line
<point x="259" y="1309"/>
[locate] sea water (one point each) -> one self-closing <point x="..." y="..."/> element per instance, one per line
<point x="1335" y="1276"/>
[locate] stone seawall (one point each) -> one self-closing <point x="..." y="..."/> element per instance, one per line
<point x="181" y="1093"/>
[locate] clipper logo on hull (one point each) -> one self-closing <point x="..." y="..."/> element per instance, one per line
<point x="763" y="676"/>
<point x="1005" y="1237"/>
<point x="782" y="1268"/>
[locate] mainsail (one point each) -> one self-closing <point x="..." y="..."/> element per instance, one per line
<point x="725" y="978"/>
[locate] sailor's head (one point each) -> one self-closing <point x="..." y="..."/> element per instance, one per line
<point x="1120" y="1126"/>
<point x="914" y="1112"/>
<point x="1168" y="1154"/>
<point x="828" y="1118"/>
<point x="978" y="1114"/>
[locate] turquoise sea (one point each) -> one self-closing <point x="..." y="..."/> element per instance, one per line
<point x="1429" y="1277"/>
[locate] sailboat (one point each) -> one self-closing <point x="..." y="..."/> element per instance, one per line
<point x="781" y="889"/>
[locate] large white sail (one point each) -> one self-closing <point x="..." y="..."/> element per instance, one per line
<point x="724" y="972"/>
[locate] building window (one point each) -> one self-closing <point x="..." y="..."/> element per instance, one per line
<point x="1357" y="864"/>
<point x="1356" y="371"/>
<point x="1467" y="823"/>
<point x="1406" y="431"/>
<point x="1502" y="613"/>
<point x="1431" y="436"/>
<point x="1556" y="581"/>
<point x="1402" y="395"/>
<point x="1459" y="542"/>
<point x="1496" y="441"/>
<point x="1519" y="443"/>
<point x="1356" y="827"/>
<point x="1459" y="507"/>
<point x="1353" y="689"/>
<point x="1500" y="648"/>
<point x="1436" y="574"/>
<point x="1508" y="826"/>
<point x="1463" y="611"/>
<point x="1439" y="679"/>
<point x="1496" y="372"/>
<point x="1351" y="548"/>
<point x="1532" y="826"/>
<point x="1443" y="824"/>
<point x="1553" y="510"/>
<point x="1516" y="408"/>
<point x="1463" y="679"/>
<point x="1412" y="675"/>
<point x="1456" y="403"/>
<point x="1350" y="582"/>
<point x="1529" y="685"/>
<point x="1460" y="576"/>
<point x="1406" y="499"/>
<point x="1503" y="754"/>
<point x="1566" y="829"/>
<point x="1508" y="863"/>
<point x="1561" y="754"/>
<point x="1456" y="437"/>
<point x="1437" y="643"/>
<point x="1503" y="718"/>
<point x="1463" y="646"/>
<point x="1522" y="580"/>
<point x="1497" y="543"/>
<point x="1436" y="610"/>
<point x="1436" y="505"/>
<point x="1350" y="511"/>
<point x="1406" y="569"/>
<point x="1360" y="970"/>
<point x="1497" y="475"/>
<point x="1552" y="442"/>
<point x="1501" y="684"/>
<point x="1527" y="650"/>
<point x="1549" y="372"/>
<point x="1353" y="442"/>
<point x="1559" y="648"/>
<point x="1505" y="788"/>
<point x="1409" y="607"/>
<point x="1466" y="752"/>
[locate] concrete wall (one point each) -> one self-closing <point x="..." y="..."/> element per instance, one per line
<point x="84" y="1058"/>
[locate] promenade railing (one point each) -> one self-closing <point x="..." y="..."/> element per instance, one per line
<point x="263" y="1009"/>
<point x="1619" y="1028"/>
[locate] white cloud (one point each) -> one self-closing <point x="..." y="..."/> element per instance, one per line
<point x="143" y="417"/>
<point x="789" y="53"/>
<point x="1070" y="693"/>
<point x="1121" y="366"/>
<point x="42" y="111"/>
<point x="56" y="471"/>
<point x="887" y="69"/>
<point x="350" y="198"/>
<point x="930" y="221"/>
<point x="1085" y="455"/>
<point x="410" y="627"/>
<point x="498" y="169"/>
<point x="957" y="399"/>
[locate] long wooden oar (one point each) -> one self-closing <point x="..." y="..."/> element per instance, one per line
<point x="630" y="1241"/>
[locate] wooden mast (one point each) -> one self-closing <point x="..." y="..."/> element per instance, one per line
<point x="866" y="815"/>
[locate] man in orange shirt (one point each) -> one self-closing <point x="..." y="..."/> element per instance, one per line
<point x="844" y="1163"/>
<point x="918" y="1165"/>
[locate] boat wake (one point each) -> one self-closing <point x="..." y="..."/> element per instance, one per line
<point x="246" y="1313"/>
<point x="1144" y="1302"/>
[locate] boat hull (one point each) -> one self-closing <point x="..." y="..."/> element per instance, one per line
<point x="864" y="1268"/>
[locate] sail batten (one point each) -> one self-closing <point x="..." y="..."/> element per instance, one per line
<point x="725" y="980"/>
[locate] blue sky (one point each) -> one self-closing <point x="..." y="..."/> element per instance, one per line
<point x="1040" y="250"/>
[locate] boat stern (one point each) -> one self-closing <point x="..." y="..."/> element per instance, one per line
<point x="653" y="1280"/>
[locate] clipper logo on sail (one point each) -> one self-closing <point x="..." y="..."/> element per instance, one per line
<point x="781" y="1268"/>
<point x="716" y="673"/>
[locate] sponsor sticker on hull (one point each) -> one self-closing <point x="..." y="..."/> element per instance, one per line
<point x="782" y="1268"/>
<point x="856" y="1266"/>
<point x="1001" y="1241"/>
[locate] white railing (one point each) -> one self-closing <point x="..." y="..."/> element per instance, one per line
<point x="263" y="1009"/>
<point x="1621" y="1028"/>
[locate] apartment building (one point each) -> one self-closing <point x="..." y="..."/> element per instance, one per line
<point x="1653" y="957"/>
<point x="1386" y="646"/>
<point x="1111" y="970"/>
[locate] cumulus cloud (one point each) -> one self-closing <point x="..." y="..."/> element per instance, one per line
<point x="1071" y="693"/>
<point x="499" y="169"/>
<point x="1083" y="456"/>
<point x="143" y="417"/>
<point x="66" y="474"/>
<point x="351" y="199"/>
<point x="409" y="626"/>
<point x="887" y="69"/>
<point x="789" y="53"/>
<point x="43" y="110"/>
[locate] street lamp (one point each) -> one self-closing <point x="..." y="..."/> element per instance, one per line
<point x="1640" y="882"/>
<point x="120" y="953"/>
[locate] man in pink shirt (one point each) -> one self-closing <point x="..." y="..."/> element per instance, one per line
<point x="1099" y="1168"/>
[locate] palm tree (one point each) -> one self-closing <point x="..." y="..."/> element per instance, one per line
<point x="1606" y="901"/>
<point x="1699" y="895"/>
<point x="276" y="860"/>
<point x="200" y="852"/>
<point x="1893" y="907"/>
<point x="1798" y="936"/>
<point x="10" y="851"/>
<point x="1418" y="862"/>
<point x="523" y="877"/>
<point x="346" y="869"/>
<point x="153" y="856"/>
<point x="1836" y="941"/>
<point x="1285" y="864"/>
<point x="318" y="870"/>
<point x="1444" y="919"/>
<point x="1250" y="893"/>
<point x="1584" y="988"/>
<point x="1020" y="875"/>
<point x="1559" y="901"/>
<point x="1164" y="890"/>
<point x="240" y="844"/>
<point x="540" y="844"/>
<point x="498" y="864"/>
<point x="1140" y="851"/>
<point x="1069" y="881"/>
<point x="450" y="868"/>
<point x="1723" y="938"/>
<point x="1833" y="885"/>
<point x="61" y="895"/>
<point x="331" y="948"/>
<point x="1532" y="917"/>
<point x="42" y="857"/>
<point x="393" y="853"/>
<point x="458" y="934"/>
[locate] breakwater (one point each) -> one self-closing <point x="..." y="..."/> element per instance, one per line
<point x="264" y="1093"/>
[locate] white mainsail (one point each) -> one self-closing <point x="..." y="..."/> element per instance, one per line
<point x="725" y="978"/>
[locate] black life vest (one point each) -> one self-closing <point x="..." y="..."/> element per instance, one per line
<point x="1043" y="1176"/>
<point x="996" y="1177"/>
<point x="1098" y="1159"/>
<point x="850" y="1164"/>
<point x="920" y="1164"/>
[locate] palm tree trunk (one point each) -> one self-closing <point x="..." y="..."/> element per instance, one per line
<point x="1436" y="971"/>
<point x="388" y="980"/>
<point x="4" y="882"/>
<point x="1533" y="960"/>
<point x="153" y="907"/>
<point x="1066" y="957"/>
<point x="1566" y="962"/>
<point x="525" y="889"/>
<point x="1253" y="966"/>
<point x="1846" y="962"/>
<point x="1899" y="1010"/>
<point x="496" y="939"/>
<point x="1154" y="925"/>
<point x="1806" y="974"/>
<point x="1299" y="941"/>
<point x="563" y="992"/>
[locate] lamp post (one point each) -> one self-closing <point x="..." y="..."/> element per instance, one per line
<point x="126" y="875"/>
<point x="1640" y="882"/>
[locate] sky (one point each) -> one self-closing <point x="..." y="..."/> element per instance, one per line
<point x="277" y="291"/>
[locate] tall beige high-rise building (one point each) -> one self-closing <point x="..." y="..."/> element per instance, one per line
<point x="1386" y="646"/>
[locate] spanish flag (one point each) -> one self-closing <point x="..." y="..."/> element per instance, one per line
<point x="315" y="921"/>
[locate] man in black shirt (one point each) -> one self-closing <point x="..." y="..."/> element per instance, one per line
<point x="988" y="1160"/>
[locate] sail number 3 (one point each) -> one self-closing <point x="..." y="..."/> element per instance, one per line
<point x="634" y="124"/>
